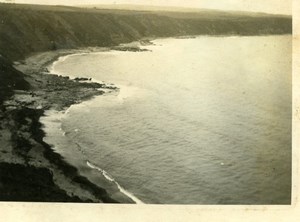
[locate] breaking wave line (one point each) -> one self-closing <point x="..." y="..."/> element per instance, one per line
<point x="111" y="179"/>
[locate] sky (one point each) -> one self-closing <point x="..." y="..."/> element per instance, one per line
<point x="268" y="6"/>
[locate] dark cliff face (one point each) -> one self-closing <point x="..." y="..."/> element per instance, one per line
<point x="25" y="29"/>
<point x="10" y="79"/>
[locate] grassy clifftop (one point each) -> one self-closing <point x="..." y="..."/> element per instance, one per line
<point x="25" y="29"/>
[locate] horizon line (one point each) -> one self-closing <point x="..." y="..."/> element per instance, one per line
<point x="170" y="8"/>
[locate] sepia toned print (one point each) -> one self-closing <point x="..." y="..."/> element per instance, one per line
<point x="145" y="104"/>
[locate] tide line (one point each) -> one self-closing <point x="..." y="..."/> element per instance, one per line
<point x="111" y="179"/>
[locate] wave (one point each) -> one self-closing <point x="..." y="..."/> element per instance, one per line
<point x="122" y="94"/>
<point x="111" y="179"/>
<point x="55" y="117"/>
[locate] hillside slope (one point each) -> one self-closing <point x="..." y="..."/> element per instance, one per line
<point x="25" y="29"/>
<point x="10" y="79"/>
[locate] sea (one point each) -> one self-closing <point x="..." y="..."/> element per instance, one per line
<point x="203" y="120"/>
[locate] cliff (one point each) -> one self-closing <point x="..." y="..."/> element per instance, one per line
<point x="25" y="29"/>
<point x="10" y="79"/>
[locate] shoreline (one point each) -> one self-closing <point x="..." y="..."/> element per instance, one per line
<point x="29" y="155"/>
<point x="75" y="157"/>
<point x="33" y="164"/>
<point x="23" y="133"/>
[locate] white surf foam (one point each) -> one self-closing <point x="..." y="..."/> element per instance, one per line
<point x="111" y="179"/>
<point x="124" y="93"/>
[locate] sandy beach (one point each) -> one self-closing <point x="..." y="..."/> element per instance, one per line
<point x="26" y="161"/>
<point x="25" y="158"/>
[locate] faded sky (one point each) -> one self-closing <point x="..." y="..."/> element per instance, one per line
<point x="269" y="6"/>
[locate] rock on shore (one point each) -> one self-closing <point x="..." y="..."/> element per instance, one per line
<point x="29" y="169"/>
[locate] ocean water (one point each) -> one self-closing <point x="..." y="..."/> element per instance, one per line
<point x="196" y="121"/>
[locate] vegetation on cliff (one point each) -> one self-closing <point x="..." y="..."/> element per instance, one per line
<point x="25" y="29"/>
